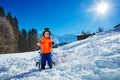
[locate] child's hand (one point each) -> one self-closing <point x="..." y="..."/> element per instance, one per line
<point x="51" y="50"/>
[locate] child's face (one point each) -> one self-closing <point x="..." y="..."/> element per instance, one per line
<point x="47" y="34"/>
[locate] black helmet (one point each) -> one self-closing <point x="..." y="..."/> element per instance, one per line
<point x="46" y="30"/>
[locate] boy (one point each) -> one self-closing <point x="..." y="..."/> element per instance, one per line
<point x="46" y="47"/>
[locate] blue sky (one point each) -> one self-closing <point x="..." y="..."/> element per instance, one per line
<point x="62" y="16"/>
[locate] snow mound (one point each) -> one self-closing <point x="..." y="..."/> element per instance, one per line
<point x="96" y="58"/>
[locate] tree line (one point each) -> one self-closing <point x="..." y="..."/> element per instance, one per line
<point x="11" y="38"/>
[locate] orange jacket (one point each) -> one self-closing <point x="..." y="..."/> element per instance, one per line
<point x="45" y="44"/>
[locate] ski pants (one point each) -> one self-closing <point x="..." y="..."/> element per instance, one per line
<point x="46" y="57"/>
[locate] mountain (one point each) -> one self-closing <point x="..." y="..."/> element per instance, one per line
<point x="62" y="39"/>
<point x="95" y="58"/>
<point x="67" y="38"/>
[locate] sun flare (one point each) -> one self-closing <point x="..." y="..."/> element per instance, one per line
<point x="102" y="8"/>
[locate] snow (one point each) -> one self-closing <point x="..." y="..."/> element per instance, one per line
<point x="96" y="58"/>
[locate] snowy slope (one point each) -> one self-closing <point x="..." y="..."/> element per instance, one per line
<point x="96" y="58"/>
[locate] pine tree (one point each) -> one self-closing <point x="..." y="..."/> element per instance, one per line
<point x="100" y="29"/>
<point x="32" y="39"/>
<point x="16" y="32"/>
<point x="9" y="30"/>
<point x="2" y="13"/>
<point x="83" y="33"/>
<point x="10" y="18"/>
<point x="6" y="37"/>
<point x="14" y="24"/>
<point x="22" y="44"/>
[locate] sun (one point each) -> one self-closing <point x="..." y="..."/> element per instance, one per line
<point x="102" y="8"/>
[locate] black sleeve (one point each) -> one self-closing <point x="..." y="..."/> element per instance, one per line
<point x="52" y="43"/>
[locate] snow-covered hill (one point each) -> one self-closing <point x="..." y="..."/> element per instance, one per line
<point x="96" y="58"/>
